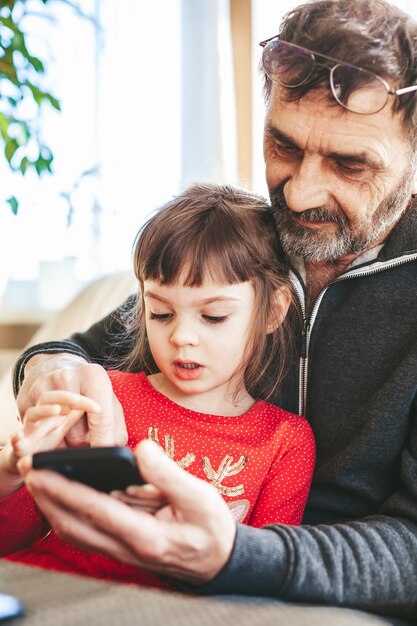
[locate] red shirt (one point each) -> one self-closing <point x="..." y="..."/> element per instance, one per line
<point x="261" y="462"/>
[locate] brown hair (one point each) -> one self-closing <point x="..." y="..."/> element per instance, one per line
<point x="228" y="234"/>
<point x="371" y="34"/>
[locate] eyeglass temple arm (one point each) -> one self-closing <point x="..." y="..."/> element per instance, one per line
<point x="265" y="41"/>
<point x="400" y="92"/>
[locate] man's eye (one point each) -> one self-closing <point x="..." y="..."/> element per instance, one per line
<point x="350" y="168"/>
<point x="160" y="317"/>
<point x="286" y="150"/>
<point x="215" y="319"/>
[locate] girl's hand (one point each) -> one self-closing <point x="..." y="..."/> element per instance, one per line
<point x="44" y="427"/>
<point x="46" y="424"/>
<point x="142" y="498"/>
<point x="54" y="372"/>
<point x="10" y="478"/>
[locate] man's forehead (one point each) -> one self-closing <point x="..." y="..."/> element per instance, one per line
<point x="315" y="123"/>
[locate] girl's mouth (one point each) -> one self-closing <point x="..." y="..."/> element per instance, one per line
<point x="187" y="370"/>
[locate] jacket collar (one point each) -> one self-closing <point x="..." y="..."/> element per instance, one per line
<point x="403" y="238"/>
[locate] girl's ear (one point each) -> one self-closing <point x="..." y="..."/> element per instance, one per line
<point x="281" y="303"/>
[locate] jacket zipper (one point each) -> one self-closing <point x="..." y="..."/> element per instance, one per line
<point x="308" y="321"/>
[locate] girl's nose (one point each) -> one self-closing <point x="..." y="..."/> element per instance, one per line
<point x="183" y="335"/>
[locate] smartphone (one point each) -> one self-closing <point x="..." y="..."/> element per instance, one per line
<point x="105" y="469"/>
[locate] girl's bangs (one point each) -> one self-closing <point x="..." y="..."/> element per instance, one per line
<point x="191" y="260"/>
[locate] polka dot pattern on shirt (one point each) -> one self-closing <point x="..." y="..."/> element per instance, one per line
<point x="262" y="460"/>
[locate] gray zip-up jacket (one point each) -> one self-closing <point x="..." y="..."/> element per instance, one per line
<point x="355" y="379"/>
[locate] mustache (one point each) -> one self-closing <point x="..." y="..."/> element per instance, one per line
<point x="316" y="215"/>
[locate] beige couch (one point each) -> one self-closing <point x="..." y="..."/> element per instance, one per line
<point x="92" y="303"/>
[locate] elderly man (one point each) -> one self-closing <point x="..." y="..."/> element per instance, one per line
<point x="340" y="153"/>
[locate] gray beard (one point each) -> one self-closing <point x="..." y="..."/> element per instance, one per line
<point x="316" y="245"/>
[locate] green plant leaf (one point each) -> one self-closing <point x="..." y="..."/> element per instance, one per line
<point x="19" y="69"/>
<point x="14" y="204"/>
<point x="4" y="125"/>
<point x="35" y="91"/>
<point x="10" y="148"/>
<point x="39" y="96"/>
<point x="7" y="4"/>
<point x="24" y="133"/>
<point x="24" y="165"/>
<point x="36" y="64"/>
<point x="7" y="67"/>
<point x="9" y="23"/>
<point x="18" y="42"/>
<point x="54" y="102"/>
<point x="44" y="161"/>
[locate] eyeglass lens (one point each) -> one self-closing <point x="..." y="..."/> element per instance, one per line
<point x="357" y="90"/>
<point x="289" y="66"/>
<point x="353" y="88"/>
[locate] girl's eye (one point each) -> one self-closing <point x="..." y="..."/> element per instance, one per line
<point x="215" y="319"/>
<point x="160" y="317"/>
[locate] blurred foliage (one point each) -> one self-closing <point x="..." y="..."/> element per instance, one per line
<point x="21" y="77"/>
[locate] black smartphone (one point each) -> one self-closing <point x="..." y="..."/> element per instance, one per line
<point x="105" y="469"/>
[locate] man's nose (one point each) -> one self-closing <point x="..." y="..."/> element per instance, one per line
<point x="183" y="334"/>
<point x="307" y="187"/>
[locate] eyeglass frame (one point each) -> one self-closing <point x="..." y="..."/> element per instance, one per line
<point x="337" y="63"/>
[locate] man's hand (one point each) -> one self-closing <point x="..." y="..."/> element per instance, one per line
<point x="68" y="372"/>
<point x="190" y="538"/>
<point x="142" y="497"/>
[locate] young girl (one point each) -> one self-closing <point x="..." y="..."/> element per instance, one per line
<point x="209" y="340"/>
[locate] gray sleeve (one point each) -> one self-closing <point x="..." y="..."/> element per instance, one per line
<point x="103" y="339"/>
<point x="369" y="565"/>
<point x="48" y="347"/>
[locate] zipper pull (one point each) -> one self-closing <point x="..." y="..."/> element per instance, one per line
<point x="304" y="335"/>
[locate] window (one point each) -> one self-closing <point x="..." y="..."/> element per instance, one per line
<point x="147" y="106"/>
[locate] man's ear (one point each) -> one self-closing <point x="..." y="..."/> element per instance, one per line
<point x="281" y="303"/>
